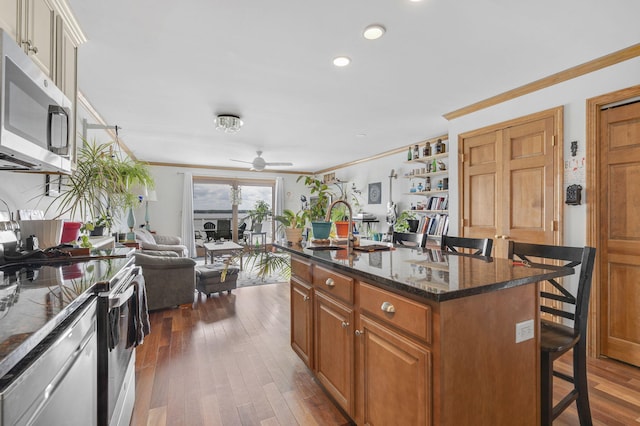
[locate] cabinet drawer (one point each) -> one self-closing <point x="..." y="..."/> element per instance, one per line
<point x="301" y="269"/>
<point x="333" y="283"/>
<point x="407" y="315"/>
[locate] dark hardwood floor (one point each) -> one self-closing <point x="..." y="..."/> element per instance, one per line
<point x="227" y="361"/>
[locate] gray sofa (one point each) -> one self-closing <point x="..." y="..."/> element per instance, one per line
<point x="149" y="241"/>
<point x="170" y="280"/>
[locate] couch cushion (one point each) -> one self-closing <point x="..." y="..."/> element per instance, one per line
<point x="144" y="236"/>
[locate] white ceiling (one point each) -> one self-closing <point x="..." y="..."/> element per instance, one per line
<point x="161" y="70"/>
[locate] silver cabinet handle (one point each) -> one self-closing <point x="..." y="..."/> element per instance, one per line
<point x="306" y="298"/>
<point x="30" y="47"/>
<point x="345" y="324"/>
<point x="388" y="307"/>
<point x="359" y="333"/>
<point x="330" y="283"/>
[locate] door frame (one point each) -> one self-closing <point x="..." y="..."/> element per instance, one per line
<point x="593" y="107"/>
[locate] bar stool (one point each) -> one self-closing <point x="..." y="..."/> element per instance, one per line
<point x="557" y="339"/>
<point x="483" y="246"/>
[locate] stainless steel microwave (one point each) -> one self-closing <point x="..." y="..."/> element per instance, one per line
<point x="35" y="116"/>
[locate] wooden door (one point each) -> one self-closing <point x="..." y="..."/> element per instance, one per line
<point x="395" y="378"/>
<point x="511" y="182"/>
<point x="619" y="241"/>
<point x="334" y="352"/>
<point x="301" y="320"/>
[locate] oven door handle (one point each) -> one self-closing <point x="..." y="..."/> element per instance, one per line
<point x="121" y="299"/>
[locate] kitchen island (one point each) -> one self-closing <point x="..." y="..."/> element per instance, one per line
<point x="418" y="336"/>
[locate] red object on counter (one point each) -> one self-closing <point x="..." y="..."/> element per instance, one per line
<point x="70" y="232"/>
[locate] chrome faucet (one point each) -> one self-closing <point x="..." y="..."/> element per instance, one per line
<point x="328" y="218"/>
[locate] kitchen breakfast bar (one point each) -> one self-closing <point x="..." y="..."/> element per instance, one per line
<point x="419" y="336"/>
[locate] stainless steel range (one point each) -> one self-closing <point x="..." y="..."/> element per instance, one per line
<point x="57" y="347"/>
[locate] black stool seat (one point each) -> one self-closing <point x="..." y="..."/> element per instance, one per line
<point x="556" y="337"/>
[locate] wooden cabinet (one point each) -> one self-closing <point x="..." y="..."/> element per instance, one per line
<point x="394" y="386"/>
<point x="32" y="24"/>
<point x="302" y="320"/>
<point x="49" y="34"/>
<point x="302" y="310"/>
<point x="334" y="353"/>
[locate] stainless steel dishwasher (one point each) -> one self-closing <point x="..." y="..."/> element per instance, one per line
<point x="60" y="386"/>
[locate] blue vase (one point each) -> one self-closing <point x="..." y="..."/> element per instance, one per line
<point x="131" y="223"/>
<point x="321" y="230"/>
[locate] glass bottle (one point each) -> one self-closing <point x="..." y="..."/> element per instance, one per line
<point x="416" y="152"/>
<point x="426" y="151"/>
<point x="427" y="184"/>
<point x="409" y="155"/>
<point x="420" y="187"/>
<point x="439" y="146"/>
<point x="413" y="188"/>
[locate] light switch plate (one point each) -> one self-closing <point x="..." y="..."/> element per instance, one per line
<point x="524" y="331"/>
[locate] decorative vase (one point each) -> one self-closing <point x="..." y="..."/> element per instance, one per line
<point x="131" y="223"/>
<point x="413" y="224"/>
<point x="321" y="230"/>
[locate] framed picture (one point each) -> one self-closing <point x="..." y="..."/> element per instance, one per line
<point x="375" y="193"/>
<point x="53" y="185"/>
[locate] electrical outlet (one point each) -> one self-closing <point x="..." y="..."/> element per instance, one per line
<point x="524" y="331"/>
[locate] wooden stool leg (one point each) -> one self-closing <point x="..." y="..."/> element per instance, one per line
<point x="581" y="383"/>
<point x="546" y="389"/>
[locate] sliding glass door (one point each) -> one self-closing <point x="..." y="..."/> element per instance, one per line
<point x="222" y="207"/>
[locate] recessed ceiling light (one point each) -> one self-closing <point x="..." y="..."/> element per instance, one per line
<point x="341" y="61"/>
<point x="373" y="32"/>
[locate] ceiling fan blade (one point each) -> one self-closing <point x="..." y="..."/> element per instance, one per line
<point x="278" y="164"/>
<point x="241" y="161"/>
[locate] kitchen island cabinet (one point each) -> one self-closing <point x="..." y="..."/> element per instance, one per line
<point x="423" y="337"/>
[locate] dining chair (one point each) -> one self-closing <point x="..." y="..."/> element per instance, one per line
<point x="482" y="246"/>
<point x="210" y="228"/>
<point x="557" y="339"/>
<point x="409" y="239"/>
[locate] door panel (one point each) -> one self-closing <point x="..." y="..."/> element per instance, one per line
<point x="480" y="215"/>
<point x="511" y="188"/>
<point x="619" y="241"/>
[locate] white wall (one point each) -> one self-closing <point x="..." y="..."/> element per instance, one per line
<point x="19" y="189"/>
<point x="572" y="95"/>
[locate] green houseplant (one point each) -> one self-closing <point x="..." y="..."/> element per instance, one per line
<point x="317" y="209"/>
<point x="405" y="222"/>
<point x="293" y="223"/>
<point x="260" y="212"/>
<point x="101" y="186"/>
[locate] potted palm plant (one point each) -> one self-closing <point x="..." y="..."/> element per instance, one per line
<point x="261" y="211"/>
<point x="101" y="185"/>
<point x="317" y="209"/>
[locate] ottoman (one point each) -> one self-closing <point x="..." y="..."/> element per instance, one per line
<point x="208" y="279"/>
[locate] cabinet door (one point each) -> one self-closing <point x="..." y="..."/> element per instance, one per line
<point x="40" y="34"/>
<point x="9" y="17"/>
<point x="66" y="77"/>
<point x="394" y="377"/>
<point x="301" y="320"/>
<point x="334" y="356"/>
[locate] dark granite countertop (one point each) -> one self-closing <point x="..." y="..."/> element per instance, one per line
<point x="428" y="272"/>
<point x="36" y="298"/>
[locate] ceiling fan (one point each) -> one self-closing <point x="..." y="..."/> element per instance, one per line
<point x="258" y="164"/>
